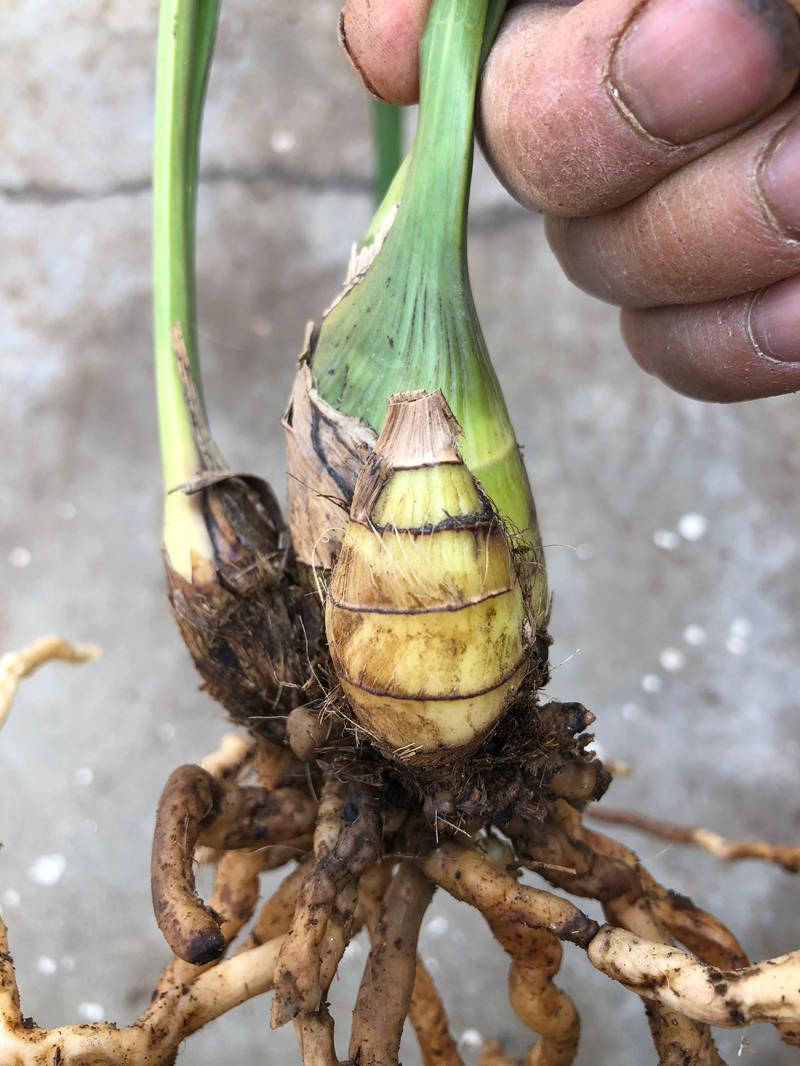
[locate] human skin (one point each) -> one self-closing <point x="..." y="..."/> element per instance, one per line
<point x="661" y="141"/>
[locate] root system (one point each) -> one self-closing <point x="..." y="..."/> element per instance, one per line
<point x="370" y="852"/>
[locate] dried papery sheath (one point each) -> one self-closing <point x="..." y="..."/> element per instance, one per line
<point x="325" y="451"/>
<point x="427" y="619"/>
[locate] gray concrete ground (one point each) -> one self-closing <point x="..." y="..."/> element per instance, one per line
<point x="671" y="524"/>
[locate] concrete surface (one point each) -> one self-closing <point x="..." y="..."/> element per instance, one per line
<point x="709" y="726"/>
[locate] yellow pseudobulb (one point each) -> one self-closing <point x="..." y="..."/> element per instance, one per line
<point x="426" y="618"/>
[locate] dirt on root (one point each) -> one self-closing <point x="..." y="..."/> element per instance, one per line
<point x="507" y="773"/>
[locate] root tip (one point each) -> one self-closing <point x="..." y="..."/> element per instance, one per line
<point x="205" y="946"/>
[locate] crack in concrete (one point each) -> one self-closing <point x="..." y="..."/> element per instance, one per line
<point x="39" y="193"/>
<point x="486" y="219"/>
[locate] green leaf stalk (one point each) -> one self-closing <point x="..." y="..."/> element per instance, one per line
<point x="387" y="138"/>
<point x="185" y="45"/>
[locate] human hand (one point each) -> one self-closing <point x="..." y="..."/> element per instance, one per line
<point x="661" y="139"/>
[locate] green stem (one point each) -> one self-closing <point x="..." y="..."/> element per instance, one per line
<point x="441" y="163"/>
<point x="392" y="197"/>
<point x="185" y="45"/>
<point x="387" y="136"/>
<point x="393" y="192"/>
<point x="424" y="251"/>
<point x="411" y="321"/>
<point x="456" y="40"/>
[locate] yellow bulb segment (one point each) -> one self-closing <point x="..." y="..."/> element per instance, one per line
<point x="427" y="496"/>
<point x="429" y="654"/>
<point x="427" y="620"/>
<point x="422" y="570"/>
<point x="416" y="727"/>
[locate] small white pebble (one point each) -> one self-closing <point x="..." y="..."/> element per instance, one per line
<point x="741" y="627"/>
<point x="83" y="776"/>
<point x="45" y="965"/>
<point x="692" y="526"/>
<point x="10" y="898"/>
<point x="651" y="683"/>
<point x="695" y="635"/>
<point x="20" y="558"/>
<point x="66" y="510"/>
<point x="68" y="963"/>
<point x="584" y="552"/>
<point x="631" y="712"/>
<point x="166" y="732"/>
<point x="672" y="659"/>
<point x="282" y="141"/>
<point x="736" y="645"/>
<point x="47" y="870"/>
<point x="262" y="327"/>
<point x="471" y="1038"/>
<point x="437" y="927"/>
<point x="91" y="1012"/>
<point x="666" y="539"/>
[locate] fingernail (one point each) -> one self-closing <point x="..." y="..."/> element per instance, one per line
<point x="779" y="178"/>
<point x="687" y="68"/>
<point x="345" y="44"/>
<point x="775" y="321"/>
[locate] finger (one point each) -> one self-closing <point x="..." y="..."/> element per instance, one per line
<point x="381" y="38"/>
<point x="583" y="108"/>
<point x="739" y="349"/>
<point x="728" y="223"/>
